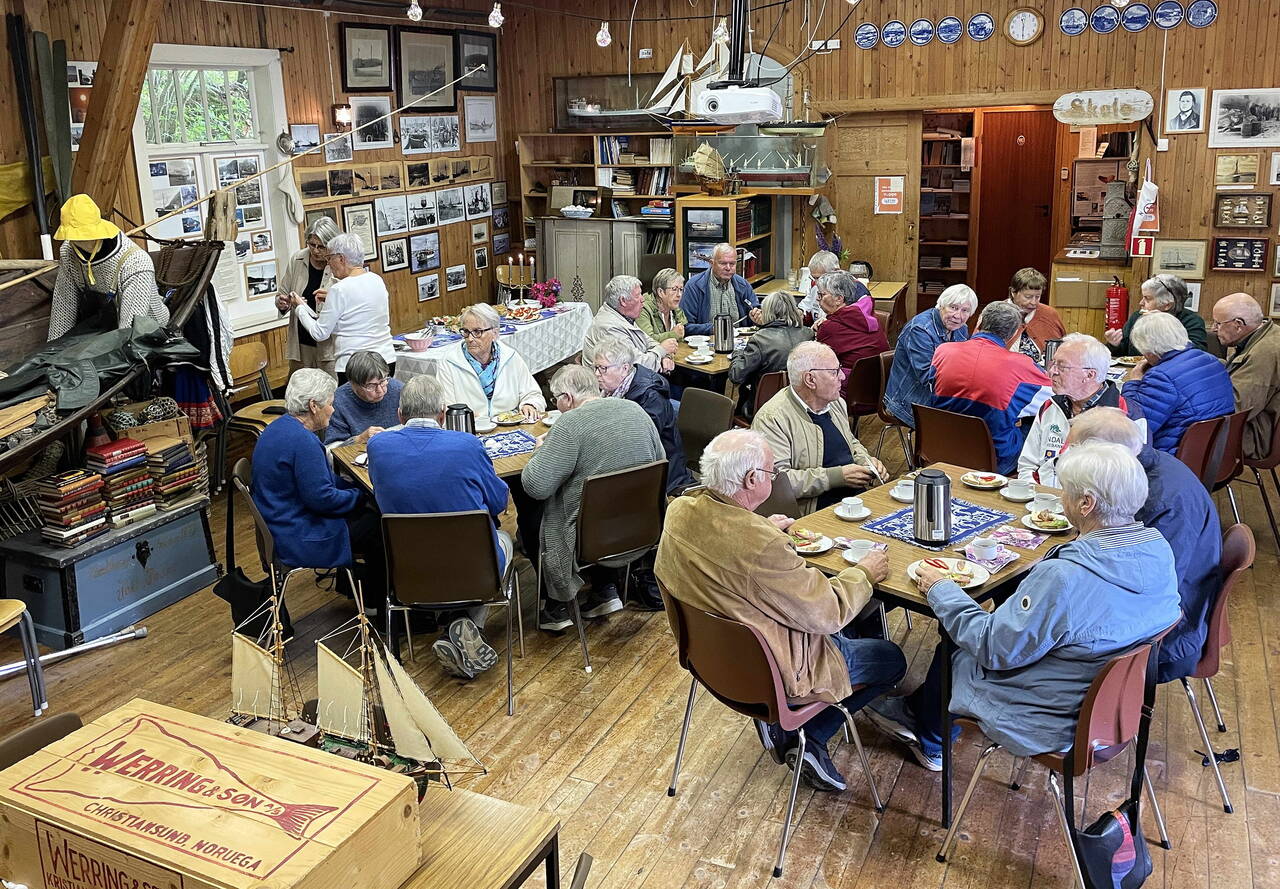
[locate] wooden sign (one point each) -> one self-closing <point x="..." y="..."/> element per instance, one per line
<point x="1096" y="107"/>
<point x="152" y="796"/>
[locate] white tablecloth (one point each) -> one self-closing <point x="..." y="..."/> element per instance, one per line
<point x="542" y="344"/>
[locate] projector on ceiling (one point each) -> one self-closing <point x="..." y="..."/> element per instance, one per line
<point x="739" y="104"/>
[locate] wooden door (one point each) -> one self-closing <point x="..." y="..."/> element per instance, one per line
<point x="1015" y="197"/>
<point x="865" y="146"/>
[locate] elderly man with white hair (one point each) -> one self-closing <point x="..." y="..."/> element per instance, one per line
<point x="1179" y="507"/>
<point x="821" y="263"/>
<point x="720" y="290"/>
<point x="716" y="554"/>
<point x="484" y="373"/>
<point x="1254" y="367"/>
<point x="1022" y="670"/>
<point x="1166" y="294"/>
<point x="1079" y="375"/>
<point x="946" y="322"/>
<point x="807" y="427"/>
<point x="622" y="305"/>
<point x="1175" y="384"/>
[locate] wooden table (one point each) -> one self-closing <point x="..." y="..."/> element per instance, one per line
<point x="899" y="589"/>
<point x="881" y="291"/>
<point x="719" y="362"/>
<point x="471" y="841"/>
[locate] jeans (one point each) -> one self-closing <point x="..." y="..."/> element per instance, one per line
<point x="876" y="663"/>
<point x="925" y="704"/>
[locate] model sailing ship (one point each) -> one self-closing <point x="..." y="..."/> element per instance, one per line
<point x="367" y="707"/>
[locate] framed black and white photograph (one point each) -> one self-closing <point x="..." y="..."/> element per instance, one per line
<point x="261" y="242"/>
<point x="415" y="135"/>
<point x="428" y="288"/>
<point x="357" y="219"/>
<point x="341" y="183"/>
<point x="1184" y="111"/>
<point x="482" y="118"/>
<point x="445" y="133"/>
<point x="309" y="218"/>
<point x="479" y="201"/>
<point x="1275" y="272"/>
<point x="418" y="175"/>
<point x="339" y="150"/>
<point x="1186" y="259"/>
<point x="306" y="136"/>
<point x="1245" y="118"/>
<point x="461" y="169"/>
<point x="366" y="57"/>
<point x="500" y="194"/>
<point x="482" y="257"/>
<point x="479" y="232"/>
<point x="1193" y="295"/>
<point x="475" y="49"/>
<point x="450" y="205"/>
<point x="1275" y="301"/>
<point x="424" y="65"/>
<point x="424" y="252"/>
<point x="1240" y="254"/>
<point x="501" y="245"/>
<point x="395" y="254"/>
<point x="481" y="167"/>
<point x="455" y="277"/>
<point x="500" y="217"/>
<point x="441" y="171"/>
<point x="260" y="279"/>
<point x="391" y="214"/>
<point x="422" y="211"/>
<point x="391" y="174"/>
<point x="370" y="124"/>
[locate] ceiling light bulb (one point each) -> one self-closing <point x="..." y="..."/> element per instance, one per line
<point x="602" y="36"/>
<point x="495" y="18"/>
<point x="414" y="12"/>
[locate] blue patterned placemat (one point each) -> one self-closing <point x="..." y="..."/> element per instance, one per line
<point x="967" y="520"/>
<point x="508" y="444"/>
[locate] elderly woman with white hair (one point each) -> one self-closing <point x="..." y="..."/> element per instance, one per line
<point x="1175" y="384"/>
<point x="306" y="274"/>
<point x="781" y="330"/>
<point x="848" y="329"/>
<point x="821" y="263"/>
<point x="1022" y="670"/>
<point x="356" y="313"/>
<point x="946" y="322"/>
<point x="622" y="305"/>
<point x="485" y="374"/>
<point x="1163" y="293"/>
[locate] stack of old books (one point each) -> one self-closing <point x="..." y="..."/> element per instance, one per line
<point x="72" y="505"/>
<point x="175" y="471"/>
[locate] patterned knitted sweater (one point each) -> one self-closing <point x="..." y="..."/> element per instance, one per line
<point x="130" y="272"/>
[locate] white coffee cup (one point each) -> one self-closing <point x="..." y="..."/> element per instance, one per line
<point x="852" y="504"/>
<point x="985" y="548"/>
<point x="859" y="549"/>
<point x="1051" y="502"/>
<point x="905" y="487"/>
<point x="1019" y="487"/>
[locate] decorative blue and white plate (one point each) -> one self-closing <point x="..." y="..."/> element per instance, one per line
<point x="967" y="519"/>
<point x="508" y="444"/>
<point x="981" y="26"/>
<point x="1073" y="22"/>
<point x="921" y="31"/>
<point x="1169" y="14"/>
<point x="867" y="35"/>
<point x="1202" y="13"/>
<point x="893" y="33"/>
<point x="1105" y="19"/>
<point x="950" y="29"/>
<point x="1136" y="17"/>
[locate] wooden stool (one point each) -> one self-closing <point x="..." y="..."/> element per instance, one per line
<point x="14" y="611"/>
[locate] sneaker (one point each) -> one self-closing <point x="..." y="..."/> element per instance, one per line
<point x="477" y="654"/>
<point x="892" y="717"/>
<point x="554" y="617"/>
<point x="928" y="754"/>
<point x="775" y="740"/>
<point x="599" y="603"/>
<point x="450" y="658"/>
<point x="818" y="771"/>
<point x="645" y="597"/>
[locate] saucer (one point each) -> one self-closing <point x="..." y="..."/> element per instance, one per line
<point x="902" y="498"/>
<point x="842" y="513"/>
<point x="1004" y="492"/>
<point x="694" y="359"/>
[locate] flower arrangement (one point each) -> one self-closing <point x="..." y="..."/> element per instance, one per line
<point x="547" y="293"/>
<point x="835" y="245"/>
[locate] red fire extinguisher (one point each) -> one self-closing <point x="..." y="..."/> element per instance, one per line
<point x="1117" y="304"/>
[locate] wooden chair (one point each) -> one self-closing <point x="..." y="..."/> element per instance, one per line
<point x="37" y="736"/>
<point x="1196" y="449"/>
<point x="767" y="386"/>
<point x="863" y="390"/>
<point x="890" y="421"/>
<point x="733" y="661"/>
<point x="462" y="555"/>
<point x="782" y="501"/>
<point x="248" y="368"/>
<point x="1269" y="463"/>
<point x="1109" y="721"/>
<point x="948" y="437"/>
<point x="14" y="613"/>
<point x="702" y="416"/>
<point x="1228" y="451"/>
<point x="897" y="317"/>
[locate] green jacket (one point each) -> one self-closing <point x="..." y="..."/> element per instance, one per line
<point x="650" y="320"/>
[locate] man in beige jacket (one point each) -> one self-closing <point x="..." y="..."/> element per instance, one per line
<point x="1254" y="366"/>
<point x="807" y="426"/>
<point x="718" y="555"/>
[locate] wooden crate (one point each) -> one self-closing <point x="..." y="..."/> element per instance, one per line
<point x="149" y="797"/>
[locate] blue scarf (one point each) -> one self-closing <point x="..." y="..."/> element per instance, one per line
<point x="488" y="375"/>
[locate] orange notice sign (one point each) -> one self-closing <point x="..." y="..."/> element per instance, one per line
<point x="889" y="195"/>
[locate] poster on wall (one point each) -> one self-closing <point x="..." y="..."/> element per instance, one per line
<point x="1245" y="118"/>
<point x="80" y="77"/>
<point x="889" y="194"/>
<point x="175" y="182"/>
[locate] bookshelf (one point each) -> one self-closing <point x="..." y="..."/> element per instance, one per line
<point x="747" y="221"/>
<point x="946" y="196"/>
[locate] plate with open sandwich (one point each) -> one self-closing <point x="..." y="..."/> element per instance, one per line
<point x="524" y="315"/>
<point x="509" y="418"/>
<point x="965" y="573"/>
<point x="986" y="481"/>
<point x="1128" y="360"/>
<point x="810" y="543"/>
<point x="1047" y="521"/>
<point x="448" y="322"/>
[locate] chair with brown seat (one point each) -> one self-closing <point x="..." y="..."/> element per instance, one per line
<point x="948" y="437"/>
<point x="14" y="613"/>
<point x="733" y="661"/>
<point x="1228" y="452"/>
<point x="863" y="390"/>
<point x="1111" y="718"/>
<point x="889" y="420"/>
<point x="36" y="736"/>
<point x="767" y="386"/>
<point x="1268" y="463"/>
<point x="1197" y="449"/>
<point x="247" y="366"/>
<point x="702" y="416"/>
<point x="448" y="561"/>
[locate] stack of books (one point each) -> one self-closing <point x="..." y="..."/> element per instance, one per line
<point x="126" y="479"/>
<point x="175" y="471"/>
<point x="72" y="506"/>
<point x="115" y="456"/>
<point x="658" y="208"/>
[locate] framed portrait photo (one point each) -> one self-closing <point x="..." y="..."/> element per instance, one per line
<point x="1182" y="258"/>
<point x="395" y="254"/>
<point x="1184" y="111"/>
<point x="482" y="257"/>
<point x="1245" y="118"/>
<point x="366" y="56"/>
<point x="425" y="63"/>
<point x="476" y="49"/>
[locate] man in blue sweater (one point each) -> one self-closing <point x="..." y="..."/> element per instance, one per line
<point x="366" y="403"/>
<point x="424" y="468"/>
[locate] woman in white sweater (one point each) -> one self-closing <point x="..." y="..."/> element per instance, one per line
<point x="487" y="376"/>
<point x="356" y="312"/>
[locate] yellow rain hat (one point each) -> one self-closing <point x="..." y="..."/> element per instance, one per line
<point x="81" y="220"/>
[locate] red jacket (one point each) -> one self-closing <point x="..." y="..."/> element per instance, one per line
<point x="849" y="335"/>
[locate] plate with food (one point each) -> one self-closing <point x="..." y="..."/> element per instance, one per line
<point x="810" y="543"/>
<point x="984" y="481"/>
<point x="524" y="316"/>
<point x="1044" y="520"/>
<point x="965" y="573"/>
<point x="1128" y="360"/>
<point x="745" y="331"/>
<point x="509" y="418"/>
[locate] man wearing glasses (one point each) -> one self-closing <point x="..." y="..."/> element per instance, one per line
<point x="307" y="274"/>
<point x="1254" y="366"/>
<point x="1079" y="376"/>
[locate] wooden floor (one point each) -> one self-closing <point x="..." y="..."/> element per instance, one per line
<point x="597" y="750"/>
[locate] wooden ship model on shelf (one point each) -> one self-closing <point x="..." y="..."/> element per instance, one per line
<point x="367" y="706"/>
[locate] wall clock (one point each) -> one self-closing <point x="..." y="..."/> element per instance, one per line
<point x="1024" y="26"/>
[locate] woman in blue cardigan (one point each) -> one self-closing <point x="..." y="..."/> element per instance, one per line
<point x="1175" y="384"/>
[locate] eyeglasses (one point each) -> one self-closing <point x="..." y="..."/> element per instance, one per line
<point x="1216" y="324"/>
<point x="470" y="333"/>
<point x="556" y="396"/>
<point x="838" y="371"/>
<point x="373" y="384"/>
<point x="772" y="473"/>
<point x="316" y="247"/>
<point x="601" y="369"/>
<point x="1058" y="366"/>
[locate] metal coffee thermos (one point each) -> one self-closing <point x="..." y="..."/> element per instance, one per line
<point x="459" y="418"/>
<point x="722" y="330"/>
<point x="932" y="513"/>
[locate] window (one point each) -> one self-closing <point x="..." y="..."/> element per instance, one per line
<point x="190" y="105"/>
